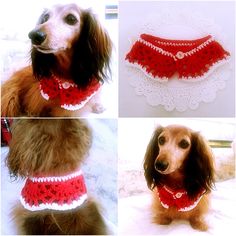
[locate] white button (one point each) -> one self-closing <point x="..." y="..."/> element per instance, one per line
<point x="180" y="55"/>
<point x="178" y="195"/>
<point x="66" y="85"/>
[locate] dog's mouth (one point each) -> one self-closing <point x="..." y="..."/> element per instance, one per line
<point x="47" y="50"/>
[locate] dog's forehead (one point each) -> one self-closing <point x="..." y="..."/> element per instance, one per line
<point x="59" y="8"/>
<point x="177" y="130"/>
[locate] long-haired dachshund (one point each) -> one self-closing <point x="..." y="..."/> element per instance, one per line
<point x="178" y="167"/>
<point x="54" y="200"/>
<point x="70" y="61"/>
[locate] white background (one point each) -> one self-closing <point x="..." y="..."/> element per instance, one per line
<point x="132" y="14"/>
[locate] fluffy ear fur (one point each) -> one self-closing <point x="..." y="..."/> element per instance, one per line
<point x="91" y="52"/>
<point x="47" y="146"/>
<point x="153" y="178"/>
<point x="199" y="168"/>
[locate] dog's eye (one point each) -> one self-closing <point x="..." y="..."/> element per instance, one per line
<point x="161" y="140"/>
<point x="71" y="19"/>
<point x="184" y="144"/>
<point x="44" y="18"/>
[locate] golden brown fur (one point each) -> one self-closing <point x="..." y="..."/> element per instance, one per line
<point x="178" y="158"/>
<point x="51" y="148"/>
<point x="77" y="51"/>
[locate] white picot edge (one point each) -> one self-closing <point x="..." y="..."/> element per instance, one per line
<point x="55" y="206"/>
<point x="78" y="106"/>
<point x="174" y="44"/>
<point x="190" y="79"/>
<point x="179" y="195"/>
<point x="44" y="95"/>
<point x="56" y="178"/>
<point x="175" y="57"/>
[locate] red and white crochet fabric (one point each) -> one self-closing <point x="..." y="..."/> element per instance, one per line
<point x="178" y="198"/>
<point x="55" y="193"/>
<point x="191" y="59"/>
<point x="70" y="95"/>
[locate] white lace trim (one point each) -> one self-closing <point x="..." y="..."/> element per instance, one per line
<point x="177" y="94"/>
<point x="56" y="178"/>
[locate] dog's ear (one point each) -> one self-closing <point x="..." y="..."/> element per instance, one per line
<point x="91" y="52"/>
<point x="199" y="167"/>
<point x="153" y="178"/>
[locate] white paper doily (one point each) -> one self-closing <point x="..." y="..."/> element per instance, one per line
<point x="177" y="94"/>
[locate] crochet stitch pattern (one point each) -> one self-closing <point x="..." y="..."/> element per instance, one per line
<point x="161" y="58"/>
<point x="178" y="199"/>
<point x="55" y="193"/>
<point x="71" y="97"/>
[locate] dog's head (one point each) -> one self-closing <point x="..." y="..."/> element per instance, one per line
<point x="47" y="147"/>
<point x="179" y="149"/>
<point x="69" y="41"/>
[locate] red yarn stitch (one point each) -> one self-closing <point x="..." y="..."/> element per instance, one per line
<point x="177" y="198"/>
<point x="63" y="192"/>
<point x="68" y="92"/>
<point x="157" y="64"/>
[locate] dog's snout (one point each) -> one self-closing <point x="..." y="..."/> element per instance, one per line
<point x="37" y="36"/>
<point x="161" y="165"/>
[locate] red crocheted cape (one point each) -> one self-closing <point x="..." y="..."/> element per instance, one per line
<point x="178" y="198"/>
<point x="70" y="95"/>
<point x="57" y="193"/>
<point x="191" y="59"/>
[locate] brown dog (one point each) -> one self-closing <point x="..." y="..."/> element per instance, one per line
<point x="178" y="168"/>
<point x="70" y="57"/>
<point x="54" y="200"/>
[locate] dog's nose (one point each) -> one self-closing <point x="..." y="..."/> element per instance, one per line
<point x="161" y="165"/>
<point x="37" y="37"/>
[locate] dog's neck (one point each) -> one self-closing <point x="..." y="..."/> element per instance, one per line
<point x="174" y="180"/>
<point x="63" y="64"/>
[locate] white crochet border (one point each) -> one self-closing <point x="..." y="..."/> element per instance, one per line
<point x="56" y="178"/>
<point x="54" y="206"/>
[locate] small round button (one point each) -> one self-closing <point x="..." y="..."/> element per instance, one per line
<point x="66" y="85"/>
<point x="178" y="195"/>
<point x="180" y="55"/>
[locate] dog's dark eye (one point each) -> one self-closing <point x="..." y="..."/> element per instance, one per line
<point x="44" y="18"/>
<point x="161" y="140"/>
<point x="184" y="144"/>
<point x="71" y="19"/>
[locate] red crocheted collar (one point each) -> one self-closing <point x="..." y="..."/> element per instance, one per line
<point x="161" y="58"/>
<point x="55" y="193"/>
<point x="178" y="198"/>
<point x="70" y="95"/>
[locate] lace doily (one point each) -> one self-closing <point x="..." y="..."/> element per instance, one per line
<point x="175" y="94"/>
